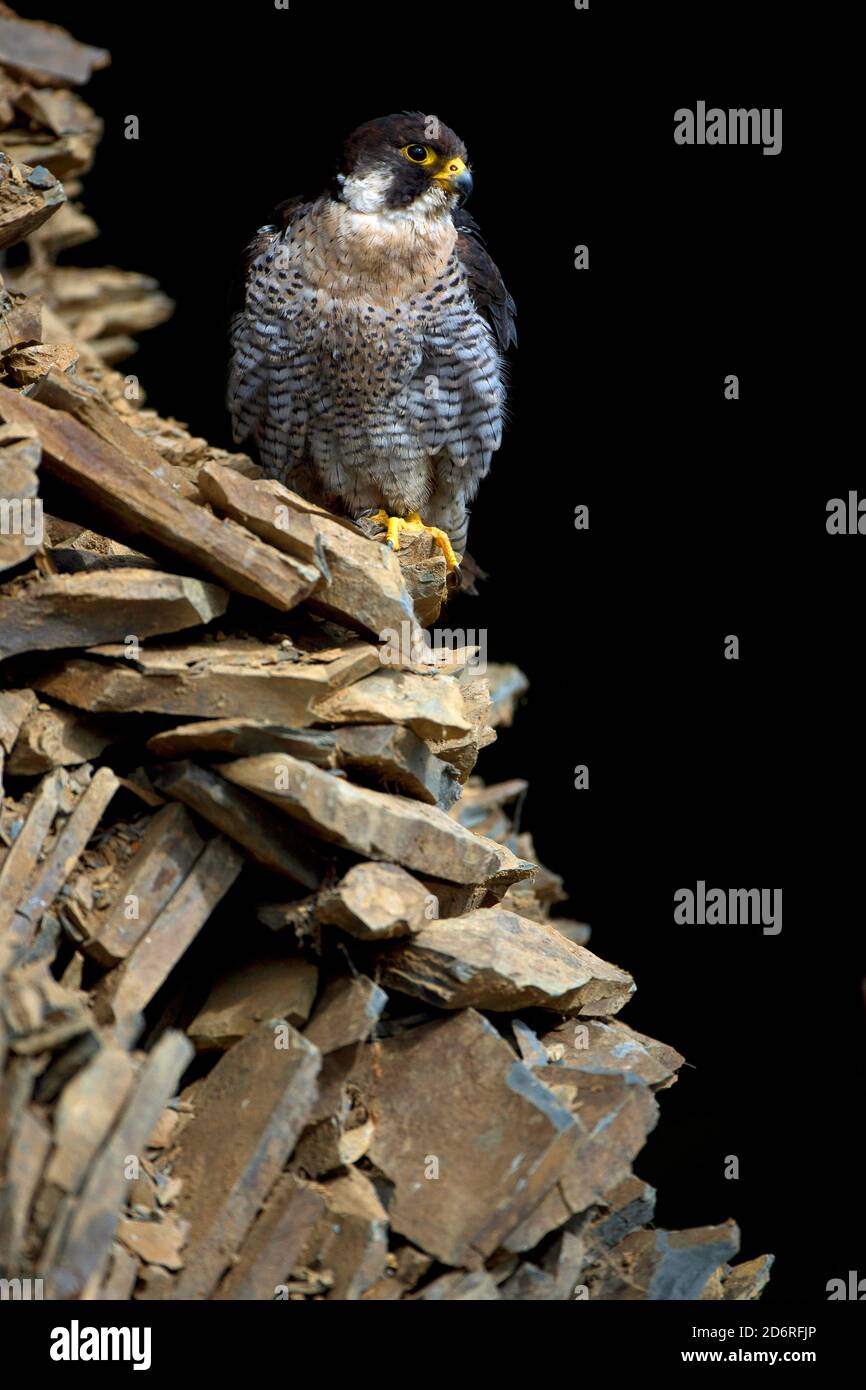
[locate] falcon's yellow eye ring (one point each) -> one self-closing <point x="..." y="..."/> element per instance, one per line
<point x="418" y="154"/>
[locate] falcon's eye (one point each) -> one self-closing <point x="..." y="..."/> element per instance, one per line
<point x="418" y="154"/>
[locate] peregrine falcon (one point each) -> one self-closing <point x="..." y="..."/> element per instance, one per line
<point x="367" y="355"/>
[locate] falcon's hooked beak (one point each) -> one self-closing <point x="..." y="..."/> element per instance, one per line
<point x="456" y="178"/>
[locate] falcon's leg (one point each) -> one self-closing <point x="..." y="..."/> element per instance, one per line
<point x="414" y="524"/>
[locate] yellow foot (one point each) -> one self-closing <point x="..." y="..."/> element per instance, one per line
<point x="414" y="524"/>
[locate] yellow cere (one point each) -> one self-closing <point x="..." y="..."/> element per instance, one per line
<point x="451" y="168"/>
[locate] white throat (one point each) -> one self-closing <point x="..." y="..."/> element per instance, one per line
<point x="368" y="193"/>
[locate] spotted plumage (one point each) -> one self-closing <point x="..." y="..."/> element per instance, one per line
<point x="367" y="354"/>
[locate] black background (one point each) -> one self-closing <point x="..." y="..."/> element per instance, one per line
<point x="707" y="516"/>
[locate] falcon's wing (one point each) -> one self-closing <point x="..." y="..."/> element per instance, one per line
<point x="486" y="283"/>
<point x="264" y="406"/>
<point x="462" y="415"/>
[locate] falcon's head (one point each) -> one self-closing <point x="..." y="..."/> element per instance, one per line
<point x="409" y="162"/>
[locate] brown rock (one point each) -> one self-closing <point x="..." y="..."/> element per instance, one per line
<point x="21" y="315"/>
<point x="431" y="706"/>
<point x="169" y="848"/>
<point x="28" y="1151"/>
<point x="15" y="708"/>
<point x="245" y="738"/>
<point x="462" y="749"/>
<point x="264" y="836"/>
<point x="25" y="202"/>
<point x="29" y="364"/>
<point x="88" y="1233"/>
<point x="46" y="52"/>
<point x="739" y="1283"/>
<point x="613" y="1047"/>
<point x="275" y="987"/>
<point x="376" y="901"/>
<point x="90" y="408"/>
<point x="19" y="865"/>
<point x="211" y="679"/>
<point x="359" y="587"/>
<point x="329" y="1145"/>
<point x="554" y="1278"/>
<point x="346" y="1013"/>
<point x="471" y="1149"/>
<point x="630" y="1204"/>
<point x="404" y="1268"/>
<point x="85" y="1114"/>
<point x="275" y="1242"/>
<point x="613" y="1115"/>
<point x="396" y="757"/>
<point x="143" y="505"/>
<point x="51" y="738"/>
<point x="119" y="1282"/>
<point x="373" y="824"/>
<point x="663" y="1266"/>
<point x="353" y="1236"/>
<point x="155" y="1242"/>
<point x="58" y="864"/>
<point x="82" y="610"/>
<point x="154" y="1283"/>
<point x="130" y="988"/>
<point x="492" y="959"/>
<point x="476" y="1287"/>
<point x="272" y="1088"/>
